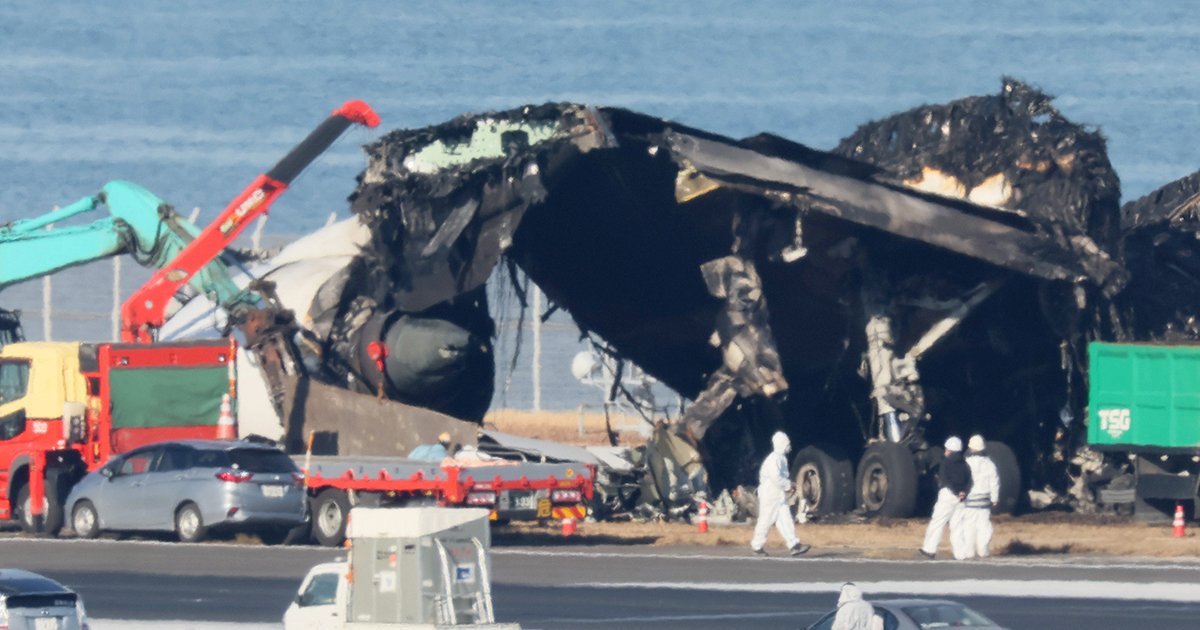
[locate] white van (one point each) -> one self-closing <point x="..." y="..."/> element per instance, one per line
<point x="324" y="600"/>
<point x="410" y="568"/>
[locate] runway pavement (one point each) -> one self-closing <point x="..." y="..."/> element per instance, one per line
<point x="634" y="587"/>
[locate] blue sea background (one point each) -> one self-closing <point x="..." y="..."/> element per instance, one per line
<point x="194" y="99"/>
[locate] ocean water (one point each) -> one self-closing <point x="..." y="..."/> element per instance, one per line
<point x="194" y="99"/>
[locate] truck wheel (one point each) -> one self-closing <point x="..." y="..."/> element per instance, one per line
<point x="887" y="481"/>
<point x="329" y="511"/>
<point x="825" y="478"/>
<point x="1009" y="472"/>
<point x="52" y="509"/>
<point x="84" y="520"/>
<point x="189" y="525"/>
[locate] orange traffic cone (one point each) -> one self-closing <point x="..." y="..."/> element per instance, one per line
<point x="702" y="518"/>
<point x="568" y="526"/>
<point x="226" y="425"/>
<point x="1179" y="529"/>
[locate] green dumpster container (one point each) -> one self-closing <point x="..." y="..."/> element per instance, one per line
<point x="1144" y="397"/>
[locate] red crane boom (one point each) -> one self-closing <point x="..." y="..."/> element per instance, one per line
<point x="143" y="313"/>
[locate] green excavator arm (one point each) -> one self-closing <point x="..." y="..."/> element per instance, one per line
<point x="138" y="223"/>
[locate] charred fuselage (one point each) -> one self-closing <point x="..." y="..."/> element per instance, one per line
<point x="848" y="299"/>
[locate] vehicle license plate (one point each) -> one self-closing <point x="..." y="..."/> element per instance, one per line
<point x="45" y="623"/>
<point x="522" y="501"/>
<point x="273" y="491"/>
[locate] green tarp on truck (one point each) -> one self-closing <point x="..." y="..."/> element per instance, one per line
<point x="167" y="396"/>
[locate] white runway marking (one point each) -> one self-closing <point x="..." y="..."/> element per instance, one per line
<point x="1066" y="563"/>
<point x="1081" y="589"/>
<point x="84" y="542"/>
<point x="662" y="618"/>
<point x="1084" y="564"/>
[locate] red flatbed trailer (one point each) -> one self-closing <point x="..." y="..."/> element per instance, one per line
<point x="511" y="490"/>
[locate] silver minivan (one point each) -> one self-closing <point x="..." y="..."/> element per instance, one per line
<point x="35" y="602"/>
<point x="192" y="487"/>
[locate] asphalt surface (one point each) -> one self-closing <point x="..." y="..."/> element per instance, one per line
<point x="631" y="587"/>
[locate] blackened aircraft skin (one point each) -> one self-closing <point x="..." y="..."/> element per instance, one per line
<point x="744" y="273"/>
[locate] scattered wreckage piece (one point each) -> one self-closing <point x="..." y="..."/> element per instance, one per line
<point x="674" y="476"/>
<point x="670" y="243"/>
<point x="661" y="479"/>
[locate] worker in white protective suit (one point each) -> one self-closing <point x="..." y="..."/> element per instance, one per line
<point x="854" y="612"/>
<point x="774" y="485"/>
<point x="954" y="481"/>
<point x="976" y="529"/>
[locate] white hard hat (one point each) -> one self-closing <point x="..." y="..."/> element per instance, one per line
<point x="954" y="444"/>
<point x="976" y="443"/>
<point x="780" y="441"/>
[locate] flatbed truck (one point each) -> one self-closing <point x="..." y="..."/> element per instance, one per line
<point x="508" y="489"/>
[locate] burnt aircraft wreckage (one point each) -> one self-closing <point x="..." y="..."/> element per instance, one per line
<point x="941" y="271"/>
<point x="845" y="297"/>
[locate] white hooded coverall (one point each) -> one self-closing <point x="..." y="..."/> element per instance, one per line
<point x="976" y="528"/>
<point x="949" y="506"/>
<point x="773" y="485"/>
<point x="853" y="612"/>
